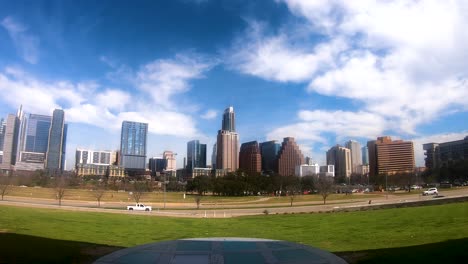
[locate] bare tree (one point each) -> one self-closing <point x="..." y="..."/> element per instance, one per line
<point x="61" y="184"/>
<point x="4" y="185"/>
<point x="198" y="199"/>
<point x="139" y="188"/>
<point x="325" y="187"/>
<point x="98" y="192"/>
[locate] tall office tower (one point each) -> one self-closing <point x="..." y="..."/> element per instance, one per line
<point x="229" y="120"/>
<point x="250" y="159"/>
<point x="34" y="142"/>
<point x="157" y="164"/>
<point x="356" y="155"/>
<point x="289" y="157"/>
<point x="446" y="153"/>
<point x="227" y="150"/>
<point x="269" y="151"/>
<point x="227" y="143"/>
<point x="133" y="145"/>
<point x="365" y="155"/>
<point x="390" y="157"/>
<point x="57" y="135"/>
<point x="2" y="137"/>
<point x="213" y="156"/>
<point x="171" y="164"/>
<point x="196" y="155"/>
<point x="10" y="143"/>
<point x="341" y="158"/>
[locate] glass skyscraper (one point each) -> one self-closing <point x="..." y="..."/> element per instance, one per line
<point x="133" y="145"/>
<point x="229" y="120"/>
<point x="55" y="159"/>
<point x="196" y="155"/>
<point x="269" y="152"/>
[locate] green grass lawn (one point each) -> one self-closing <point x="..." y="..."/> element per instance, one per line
<point x="337" y="232"/>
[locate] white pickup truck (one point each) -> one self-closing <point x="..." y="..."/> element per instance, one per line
<point x="431" y="191"/>
<point x="139" y="207"/>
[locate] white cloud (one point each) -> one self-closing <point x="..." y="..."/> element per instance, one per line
<point x="313" y="125"/>
<point x="90" y="103"/>
<point x="26" y="44"/>
<point x="163" y="78"/>
<point x="400" y="63"/>
<point x="276" y="58"/>
<point x="209" y="114"/>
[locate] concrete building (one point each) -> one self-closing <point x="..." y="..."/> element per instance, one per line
<point x="363" y="169"/>
<point x="55" y="158"/>
<point x="97" y="163"/>
<point x="307" y="170"/>
<point x="250" y="159"/>
<point x="196" y="155"/>
<point x="269" y="151"/>
<point x="327" y="170"/>
<point x="227" y="143"/>
<point x="289" y="157"/>
<point x="340" y="157"/>
<point x="387" y="156"/>
<point x="171" y="163"/>
<point x="10" y="143"/>
<point x="446" y="153"/>
<point x="356" y="155"/>
<point x="133" y="145"/>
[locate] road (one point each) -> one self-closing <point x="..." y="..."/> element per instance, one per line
<point x="227" y="211"/>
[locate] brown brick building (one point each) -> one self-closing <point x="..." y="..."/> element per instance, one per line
<point x="250" y="159"/>
<point x="387" y="156"/>
<point x="289" y="157"/>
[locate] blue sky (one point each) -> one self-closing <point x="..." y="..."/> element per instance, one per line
<point x="321" y="71"/>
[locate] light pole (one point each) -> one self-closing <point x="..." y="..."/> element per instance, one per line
<point x="164" y="191"/>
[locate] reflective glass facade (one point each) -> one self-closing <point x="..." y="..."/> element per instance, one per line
<point x="56" y="146"/>
<point x="196" y="155"/>
<point x="133" y="144"/>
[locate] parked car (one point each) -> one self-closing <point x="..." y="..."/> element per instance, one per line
<point x="415" y="187"/>
<point x="139" y="207"/>
<point x="431" y="191"/>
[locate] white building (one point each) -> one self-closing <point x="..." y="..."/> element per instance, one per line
<point x="327" y="170"/>
<point x="307" y="170"/>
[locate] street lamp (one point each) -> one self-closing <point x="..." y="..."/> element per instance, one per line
<point x="386" y="186"/>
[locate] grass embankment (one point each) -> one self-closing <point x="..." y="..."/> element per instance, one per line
<point x="337" y="232"/>
<point x="174" y="197"/>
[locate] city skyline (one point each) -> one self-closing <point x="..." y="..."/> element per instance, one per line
<point x="289" y="69"/>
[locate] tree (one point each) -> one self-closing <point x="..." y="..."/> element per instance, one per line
<point x="139" y="188"/>
<point x="4" y="185"/>
<point x="98" y="192"/>
<point x="198" y="199"/>
<point x="325" y="187"/>
<point x="293" y="187"/>
<point x="60" y="188"/>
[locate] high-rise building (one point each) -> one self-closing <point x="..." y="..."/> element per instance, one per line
<point x="10" y="143"/>
<point x="229" y="119"/>
<point x="34" y="142"/>
<point x="228" y="151"/>
<point x="365" y="155"/>
<point x="289" y="157"/>
<point x="157" y="165"/>
<point x="196" y="155"/>
<point x="356" y="155"/>
<point x="57" y="135"/>
<point x="446" y="153"/>
<point x="250" y="160"/>
<point x="171" y="164"/>
<point x="2" y="137"/>
<point x="341" y="158"/>
<point x="269" y="151"/>
<point x="133" y="145"/>
<point x="387" y="156"/>
<point x="227" y="143"/>
<point x="213" y="156"/>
